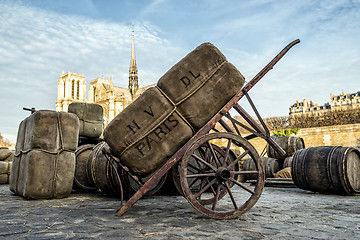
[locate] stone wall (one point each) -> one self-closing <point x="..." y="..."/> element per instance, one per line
<point x="342" y="135"/>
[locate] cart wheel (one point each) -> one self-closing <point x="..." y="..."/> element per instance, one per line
<point x="204" y="151"/>
<point x="219" y="177"/>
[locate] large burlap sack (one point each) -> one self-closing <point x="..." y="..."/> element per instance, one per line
<point x="147" y="133"/>
<point x="201" y="84"/>
<point x="44" y="160"/>
<point x="5" y="167"/>
<point x="10" y="157"/>
<point x="283" y="173"/>
<point x="91" y="118"/>
<point x="52" y="131"/>
<point x="19" y="146"/>
<point x="4" y="153"/>
<point x="4" y="178"/>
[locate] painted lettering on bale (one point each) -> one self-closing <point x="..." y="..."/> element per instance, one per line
<point x="132" y="127"/>
<point x="186" y="81"/>
<point x="151" y="113"/>
<point x="156" y="135"/>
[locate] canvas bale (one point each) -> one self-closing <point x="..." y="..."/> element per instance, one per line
<point x="201" y="84"/>
<point x="50" y="130"/>
<point x="5" y="167"/>
<point x="44" y="161"/>
<point x="147" y="133"/>
<point x="4" y="178"/>
<point x="91" y="118"/>
<point x="19" y="146"/>
<point x="4" y="153"/>
<point x="283" y="173"/>
<point x="10" y="157"/>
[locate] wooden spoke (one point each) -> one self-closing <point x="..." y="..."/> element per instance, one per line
<point x="243" y="172"/>
<point x="216" y="197"/>
<point x="193" y="167"/>
<point x="231" y="195"/>
<point x="227" y="152"/>
<point x="238" y="159"/>
<point x="198" y="175"/>
<point x="242" y="186"/>
<point x="214" y="154"/>
<point x="204" y="162"/>
<point x="193" y="182"/>
<point x="206" y="187"/>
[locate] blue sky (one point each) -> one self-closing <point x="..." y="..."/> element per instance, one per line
<point x="39" y="39"/>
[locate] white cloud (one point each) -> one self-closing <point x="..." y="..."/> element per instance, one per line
<point x="37" y="45"/>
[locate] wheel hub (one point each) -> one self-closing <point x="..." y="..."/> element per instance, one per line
<point x="222" y="174"/>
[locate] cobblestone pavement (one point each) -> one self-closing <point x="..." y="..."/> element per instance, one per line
<point x="287" y="213"/>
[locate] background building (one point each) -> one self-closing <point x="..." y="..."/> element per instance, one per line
<point x="113" y="99"/>
<point x="340" y="102"/>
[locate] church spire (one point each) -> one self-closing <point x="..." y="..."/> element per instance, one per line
<point x="133" y="71"/>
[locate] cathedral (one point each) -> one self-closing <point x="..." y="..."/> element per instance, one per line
<point x="113" y="99"/>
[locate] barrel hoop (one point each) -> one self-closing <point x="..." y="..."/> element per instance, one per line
<point x="332" y="166"/>
<point x="344" y="176"/>
<point x="93" y="161"/>
<point x="304" y="182"/>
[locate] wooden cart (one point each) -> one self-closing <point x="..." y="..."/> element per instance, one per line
<point x="207" y="173"/>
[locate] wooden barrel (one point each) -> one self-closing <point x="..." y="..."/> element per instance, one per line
<point x="327" y="169"/>
<point x="271" y="166"/>
<point x="89" y="140"/>
<point x="287" y="162"/>
<point x="105" y="174"/>
<point x="289" y="143"/>
<point x="82" y="178"/>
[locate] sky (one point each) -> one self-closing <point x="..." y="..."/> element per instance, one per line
<point x="41" y="39"/>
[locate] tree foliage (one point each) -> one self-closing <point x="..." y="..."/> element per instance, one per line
<point x="291" y="124"/>
<point x="329" y="118"/>
<point x="4" y="142"/>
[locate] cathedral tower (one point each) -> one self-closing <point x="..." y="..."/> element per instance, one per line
<point x="133" y="71"/>
<point x="71" y="88"/>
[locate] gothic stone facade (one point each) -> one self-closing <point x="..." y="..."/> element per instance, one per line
<point x="113" y="99"/>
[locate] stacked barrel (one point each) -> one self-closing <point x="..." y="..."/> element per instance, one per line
<point x="276" y="165"/>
